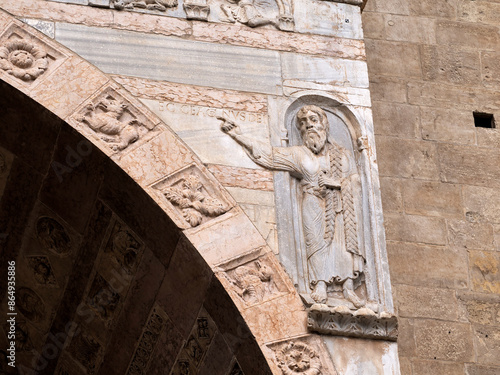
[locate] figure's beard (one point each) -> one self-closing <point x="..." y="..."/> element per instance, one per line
<point x="315" y="141"/>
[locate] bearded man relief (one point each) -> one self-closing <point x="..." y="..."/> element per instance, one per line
<point x="329" y="211"/>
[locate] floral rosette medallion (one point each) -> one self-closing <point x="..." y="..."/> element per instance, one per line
<point x="298" y="358"/>
<point x="23" y="60"/>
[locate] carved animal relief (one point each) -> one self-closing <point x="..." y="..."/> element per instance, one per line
<point x="23" y="59"/>
<point x="190" y="196"/>
<point x="251" y="12"/>
<point x="111" y="120"/>
<point x="253" y="282"/>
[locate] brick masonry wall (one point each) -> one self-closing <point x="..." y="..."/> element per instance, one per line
<point x="431" y="65"/>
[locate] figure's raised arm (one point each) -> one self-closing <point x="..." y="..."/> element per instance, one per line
<point x="275" y="158"/>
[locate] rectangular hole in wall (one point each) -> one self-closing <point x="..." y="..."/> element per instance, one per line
<point x="484" y="120"/>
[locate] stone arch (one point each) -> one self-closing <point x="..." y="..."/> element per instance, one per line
<point x="161" y="165"/>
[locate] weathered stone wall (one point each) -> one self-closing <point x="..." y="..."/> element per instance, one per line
<point x="431" y="64"/>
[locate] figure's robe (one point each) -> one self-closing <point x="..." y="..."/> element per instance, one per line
<point x="328" y="215"/>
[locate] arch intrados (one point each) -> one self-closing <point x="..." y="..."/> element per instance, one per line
<point x="68" y="86"/>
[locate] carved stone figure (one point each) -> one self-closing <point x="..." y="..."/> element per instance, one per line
<point x="23" y="59"/>
<point x="252" y="283"/>
<point x="30" y="304"/>
<point x="160" y="5"/>
<point x="52" y="236"/>
<point x="327" y="175"/>
<point x="42" y="270"/>
<point x="105" y="118"/>
<point x="251" y="12"/>
<point x="298" y="358"/>
<point x="124" y="247"/>
<point x="102" y="298"/>
<point x="189" y="196"/>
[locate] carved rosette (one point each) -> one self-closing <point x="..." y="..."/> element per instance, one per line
<point x="364" y="323"/>
<point x="23" y="59"/>
<point x="298" y="358"/>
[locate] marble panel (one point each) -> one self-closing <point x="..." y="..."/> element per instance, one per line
<point x="174" y="59"/>
<point x="328" y="18"/>
<point x="322" y="70"/>
<point x="199" y="127"/>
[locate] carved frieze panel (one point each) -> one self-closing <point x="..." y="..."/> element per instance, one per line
<point x="147" y="343"/>
<point x="192" y="197"/>
<point x="113" y="119"/>
<point x="102" y="298"/>
<point x="305" y="355"/>
<point x="253" y="13"/>
<point x="196" y="346"/>
<point x="42" y="270"/>
<point x="123" y="247"/>
<point x="254" y="280"/>
<point x="25" y="58"/>
<point x="87" y="350"/>
<point x="363" y="323"/>
<point x="53" y="236"/>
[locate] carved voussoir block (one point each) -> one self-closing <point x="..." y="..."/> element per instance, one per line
<point x="253" y="279"/>
<point x="26" y="58"/>
<point x="150" y="337"/>
<point x="87" y="350"/>
<point x="196" y="346"/>
<point x="192" y="196"/>
<point x="364" y="323"/>
<point x="305" y="355"/>
<point x="113" y="119"/>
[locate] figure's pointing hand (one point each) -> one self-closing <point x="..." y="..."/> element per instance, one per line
<point x="228" y="126"/>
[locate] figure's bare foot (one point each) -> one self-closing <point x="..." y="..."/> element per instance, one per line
<point x="319" y="293"/>
<point x="353" y="298"/>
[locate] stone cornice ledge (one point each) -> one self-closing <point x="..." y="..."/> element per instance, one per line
<point x="363" y="323"/>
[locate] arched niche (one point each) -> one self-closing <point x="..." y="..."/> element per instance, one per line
<point x="349" y="130"/>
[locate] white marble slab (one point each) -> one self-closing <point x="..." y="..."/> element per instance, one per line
<point x="174" y="59"/>
<point x="199" y="128"/>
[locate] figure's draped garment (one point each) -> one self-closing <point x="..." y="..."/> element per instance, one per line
<point x="329" y="216"/>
